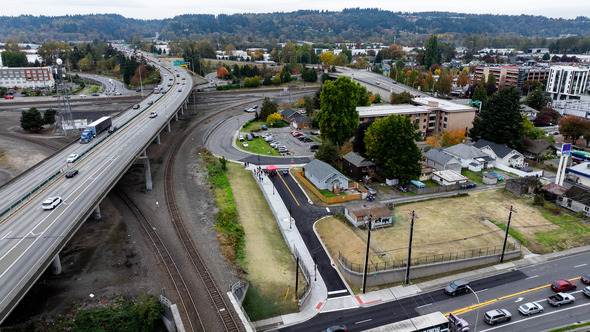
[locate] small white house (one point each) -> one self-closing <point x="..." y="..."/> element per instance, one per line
<point x="360" y="213"/>
<point x="324" y="176"/>
<point x="447" y="177"/>
<point x="501" y="153"/>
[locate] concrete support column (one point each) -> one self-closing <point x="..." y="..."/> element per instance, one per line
<point x="148" y="172"/>
<point x="181" y="112"/>
<point x="158" y="139"/>
<point x="96" y="215"/>
<point x="176" y="115"/>
<point x="56" y="265"/>
<point x="168" y="127"/>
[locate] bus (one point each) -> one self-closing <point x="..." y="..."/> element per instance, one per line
<point x="580" y="156"/>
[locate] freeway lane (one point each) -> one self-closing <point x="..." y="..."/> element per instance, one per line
<point x="31" y="237"/>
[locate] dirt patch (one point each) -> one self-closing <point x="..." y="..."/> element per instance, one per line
<point x="269" y="265"/>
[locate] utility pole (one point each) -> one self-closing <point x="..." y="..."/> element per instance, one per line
<point x="367" y="256"/>
<point x="410" y="248"/>
<point x="506" y="234"/>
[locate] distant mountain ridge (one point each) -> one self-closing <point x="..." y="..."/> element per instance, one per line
<point x="353" y="24"/>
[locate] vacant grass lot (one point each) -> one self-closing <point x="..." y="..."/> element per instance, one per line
<point x="269" y="265"/>
<point x="448" y="225"/>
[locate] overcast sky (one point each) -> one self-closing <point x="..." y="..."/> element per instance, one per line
<point x="158" y="9"/>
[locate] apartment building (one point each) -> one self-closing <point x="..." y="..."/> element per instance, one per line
<point x="433" y="115"/>
<point x="26" y="77"/>
<point x="512" y="75"/>
<point x="567" y="82"/>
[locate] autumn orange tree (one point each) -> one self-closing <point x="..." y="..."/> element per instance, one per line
<point x="448" y="138"/>
<point x="222" y="72"/>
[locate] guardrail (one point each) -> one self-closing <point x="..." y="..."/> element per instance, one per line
<point x="91" y="148"/>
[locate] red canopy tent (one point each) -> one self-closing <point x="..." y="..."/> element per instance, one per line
<point x="271" y="168"/>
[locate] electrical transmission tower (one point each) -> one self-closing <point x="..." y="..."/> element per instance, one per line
<point x="65" y="119"/>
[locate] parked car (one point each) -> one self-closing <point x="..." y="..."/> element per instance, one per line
<point x="586" y="291"/>
<point x="296" y="133"/>
<point x="245" y="144"/>
<point x="249" y="137"/>
<point x="71" y="173"/>
<point x="586" y="279"/>
<point x="315" y="132"/>
<point x="459" y="286"/>
<point x="71" y="158"/>
<point x="263" y="127"/>
<point x="371" y="190"/>
<point x="9" y="97"/>
<point x="82" y="95"/>
<point x="51" y="203"/>
<point x="96" y="94"/>
<point x="497" y="176"/>
<point x="307" y="140"/>
<point x="255" y="135"/>
<point x="255" y="107"/>
<point x="153" y="114"/>
<point x="496" y="316"/>
<point x="401" y="188"/>
<point x="563" y="285"/>
<point x="314" y="147"/>
<point x="241" y="138"/>
<point x="530" y="308"/>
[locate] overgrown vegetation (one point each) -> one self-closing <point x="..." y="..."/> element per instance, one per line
<point x="230" y="232"/>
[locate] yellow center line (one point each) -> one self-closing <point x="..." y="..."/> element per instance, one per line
<point x="286" y="186"/>
<point x="475" y="306"/>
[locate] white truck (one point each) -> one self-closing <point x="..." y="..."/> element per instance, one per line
<point x="560" y="298"/>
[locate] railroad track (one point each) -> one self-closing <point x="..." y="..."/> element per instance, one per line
<point x="224" y="312"/>
<point x="181" y="287"/>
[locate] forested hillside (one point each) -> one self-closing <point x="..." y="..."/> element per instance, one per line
<point x="353" y="25"/>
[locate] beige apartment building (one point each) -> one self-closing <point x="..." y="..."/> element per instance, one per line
<point x="511" y="74"/>
<point x="433" y="115"/>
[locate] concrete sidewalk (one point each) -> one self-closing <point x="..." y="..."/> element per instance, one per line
<point x="317" y="300"/>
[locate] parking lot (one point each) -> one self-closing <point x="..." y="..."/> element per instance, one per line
<point x="286" y="144"/>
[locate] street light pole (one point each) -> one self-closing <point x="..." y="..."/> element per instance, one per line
<point x="477" y="314"/>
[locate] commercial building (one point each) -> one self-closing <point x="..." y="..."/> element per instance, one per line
<point x="26" y="77"/>
<point x="567" y="82"/>
<point x="433" y="115"/>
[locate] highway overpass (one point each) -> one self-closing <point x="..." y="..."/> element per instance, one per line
<point x="30" y="237"/>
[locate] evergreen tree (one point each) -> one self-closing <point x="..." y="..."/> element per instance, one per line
<point x="49" y="116"/>
<point x="432" y="54"/>
<point x="268" y="107"/>
<point x="501" y="121"/>
<point x="537" y="99"/>
<point x="31" y="120"/>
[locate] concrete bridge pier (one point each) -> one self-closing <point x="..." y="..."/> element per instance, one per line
<point x="176" y="115"/>
<point x="56" y="265"/>
<point x="168" y="127"/>
<point x="96" y="214"/>
<point x="148" y="172"/>
<point x="158" y="139"/>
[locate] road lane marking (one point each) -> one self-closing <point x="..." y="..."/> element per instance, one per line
<point x="338" y="292"/>
<point x="531" y="277"/>
<point x="422" y="306"/>
<point x="286" y="186"/>
<point x="535" y="316"/>
<point x="364" y="321"/>
<point x="328" y="209"/>
<point x="581" y="265"/>
<point x="5" y="235"/>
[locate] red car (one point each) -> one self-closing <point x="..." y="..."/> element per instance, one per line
<point x="563" y="285"/>
<point x="9" y="97"/>
<point x="296" y="133"/>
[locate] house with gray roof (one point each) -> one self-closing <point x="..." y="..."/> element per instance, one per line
<point x="537" y="148"/>
<point x="356" y="166"/>
<point x="440" y="160"/>
<point x="501" y="153"/>
<point x="296" y="120"/>
<point x="577" y="199"/>
<point x="324" y="176"/>
<point x="470" y="156"/>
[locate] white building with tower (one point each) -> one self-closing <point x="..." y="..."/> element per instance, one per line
<point x="26" y="77"/>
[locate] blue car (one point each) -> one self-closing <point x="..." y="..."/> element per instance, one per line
<point x="497" y="176"/>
